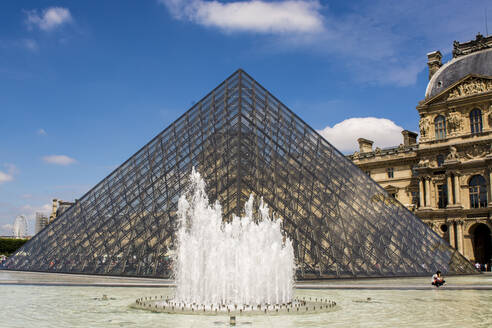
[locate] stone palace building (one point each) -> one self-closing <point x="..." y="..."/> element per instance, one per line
<point x="445" y="178"/>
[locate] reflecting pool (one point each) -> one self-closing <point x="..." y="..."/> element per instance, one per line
<point x="84" y="306"/>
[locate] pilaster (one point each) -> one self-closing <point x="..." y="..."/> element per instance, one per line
<point x="459" y="235"/>
<point x="427" y="192"/>
<point x="451" y="233"/>
<point x="449" y="188"/>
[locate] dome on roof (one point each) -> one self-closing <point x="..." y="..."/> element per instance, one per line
<point x="479" y="63"/>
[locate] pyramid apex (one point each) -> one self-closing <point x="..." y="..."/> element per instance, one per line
<point x="243" y="141"/>
<point x="239" y="71"/>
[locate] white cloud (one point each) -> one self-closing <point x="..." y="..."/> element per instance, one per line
<point x="42" y="132"/>
<point x="7" y="229"/>
<point x="8" y="174"/>
<point x="377" y="41"/>
<point x="344" y="135"/>
<point x="292" y="16"/>
<point x="30" y="210"/>
<point x="4" y="177"/>
<point x="49" y="19"/>
<point x="59" y="159"/>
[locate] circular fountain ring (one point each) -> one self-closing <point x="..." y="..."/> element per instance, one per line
<point x="297" y="306"/>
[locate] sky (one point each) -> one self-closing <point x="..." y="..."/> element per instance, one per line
<point x="85" y="84"/>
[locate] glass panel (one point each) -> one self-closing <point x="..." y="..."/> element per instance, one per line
<point x="243" y="140"/>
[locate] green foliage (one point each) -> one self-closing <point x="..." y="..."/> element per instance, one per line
<point x="9" y="246"/>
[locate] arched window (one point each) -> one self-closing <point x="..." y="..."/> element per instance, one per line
<point x="478" y="191"/>
<point x="476" y="121"/>
<point x="440" y="125"/>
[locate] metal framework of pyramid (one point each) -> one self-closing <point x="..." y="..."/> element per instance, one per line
<point x="242" y="140"/>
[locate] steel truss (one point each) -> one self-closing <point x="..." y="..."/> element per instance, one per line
<point x="242" y="140"/>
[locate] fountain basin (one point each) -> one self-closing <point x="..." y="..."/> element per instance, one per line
<point x="297" y="306"/>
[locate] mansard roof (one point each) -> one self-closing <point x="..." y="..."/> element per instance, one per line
<point x="478" y="63"/>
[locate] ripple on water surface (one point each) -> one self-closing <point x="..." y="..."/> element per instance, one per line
<point x="47" y="306"/>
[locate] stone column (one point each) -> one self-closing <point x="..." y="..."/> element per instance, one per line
<point x="427" y="192"/>
<point x="459" y="235"/>
<point x="421" y="192"/>
<point x="457" y="196"/>
<point x="451" y="233"/>
<point x="432" y="203"/>
<point x="449" y="188"/>
<point x="490" y="188"/>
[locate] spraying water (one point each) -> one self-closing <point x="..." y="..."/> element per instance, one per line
<point x="246" y="261"/>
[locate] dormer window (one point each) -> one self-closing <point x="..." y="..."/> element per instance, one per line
<point x="476" y="121"/>
<point x="440" y="126"/>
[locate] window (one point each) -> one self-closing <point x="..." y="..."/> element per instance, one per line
<point x="390" y="172"/>
<point x="368" y="173"/>
<point x="442" y="191"/>
<point x="478" y="191"/>
<point x="440" y="125"/>
<point x="476" y="121"/>
<point x="416" y="198"/>
<point x="394" y="195"/>
<point x="440" y="160"/>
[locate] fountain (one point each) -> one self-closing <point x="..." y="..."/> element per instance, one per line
<point x="245" y="266"/>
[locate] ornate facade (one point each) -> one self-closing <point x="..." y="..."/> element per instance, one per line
<point x="446" y="177"/>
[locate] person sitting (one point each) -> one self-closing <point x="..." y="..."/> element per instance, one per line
<point x="437" y="279"/>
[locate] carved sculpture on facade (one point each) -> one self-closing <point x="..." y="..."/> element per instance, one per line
<point x="480" y="43"/>
<point x="454" y="121"/>
<point x="489" y="114"/>
<point x="355" y="155"/>
<point x="377" y="151"/>
<point x="477" y="151"/>
<point x="424" y="127"/>
<point x="470" y="87"/>
<point x="453" y="154"/>
<point x="456" y="49"/>
<point x="423" y="163"/>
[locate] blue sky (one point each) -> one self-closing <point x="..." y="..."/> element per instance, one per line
<point x="85" y="84"/>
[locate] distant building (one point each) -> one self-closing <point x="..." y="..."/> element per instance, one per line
<point x="445" y="178"/>
<point x="59" y="206"/>
<point x="41" y="222"/>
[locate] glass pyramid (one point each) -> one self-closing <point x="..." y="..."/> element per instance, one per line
<point x="242" y="140"/>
